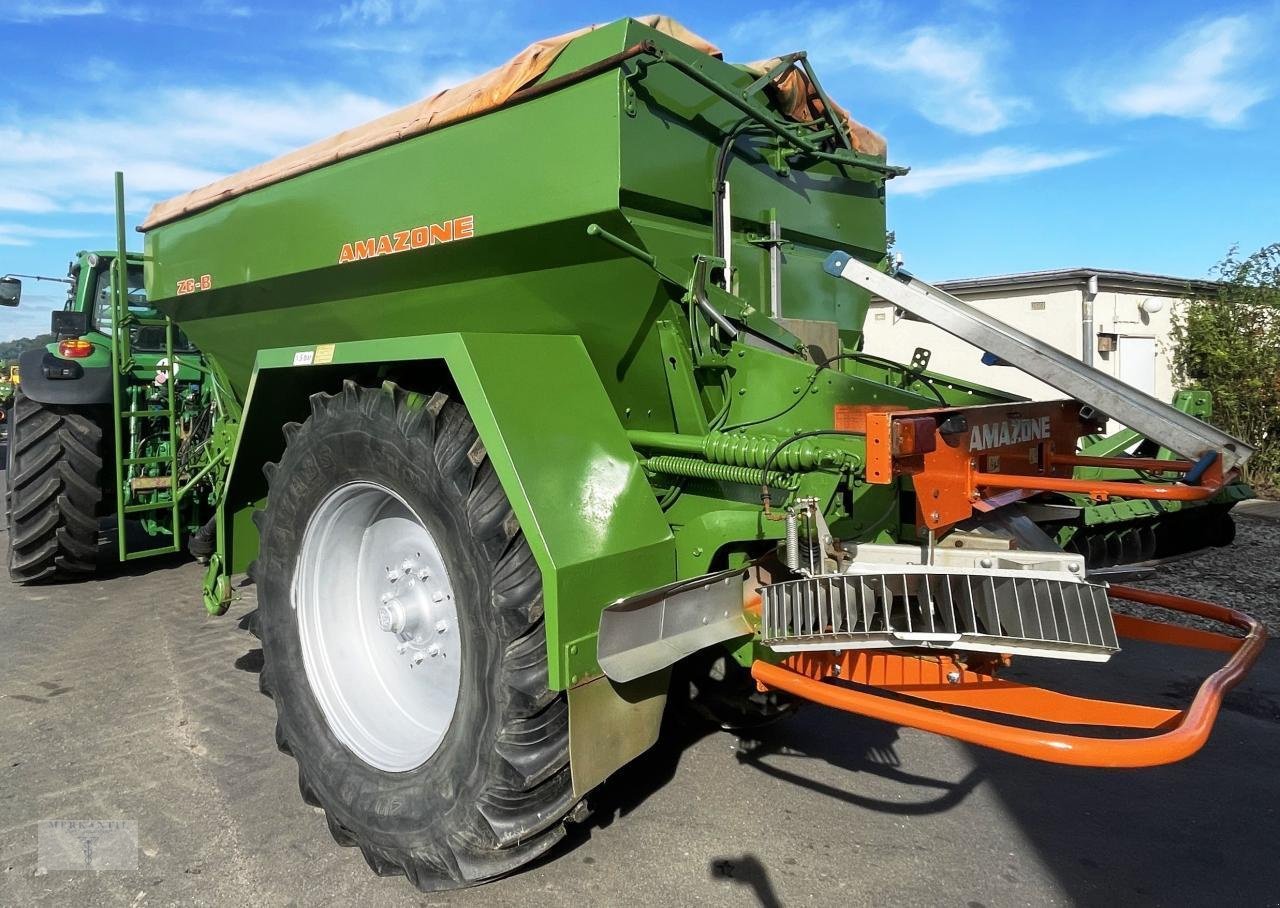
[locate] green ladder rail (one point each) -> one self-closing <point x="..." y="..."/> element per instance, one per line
<point x="128" y="500"/>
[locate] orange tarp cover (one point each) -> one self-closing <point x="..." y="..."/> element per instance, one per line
<point x="483" y="93"/>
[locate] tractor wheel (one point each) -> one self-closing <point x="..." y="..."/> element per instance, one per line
<point x="54" y="479"/>
<point x="400" y="611"/>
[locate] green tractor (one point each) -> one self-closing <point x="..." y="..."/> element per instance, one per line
<point x="542" y="401"/>
<point x="100" y="425"/>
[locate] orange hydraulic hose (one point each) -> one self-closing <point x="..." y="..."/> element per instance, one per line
<point x="1188" y="736"/>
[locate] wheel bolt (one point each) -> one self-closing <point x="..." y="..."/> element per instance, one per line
<point x="416" y="659"/>
<point x="442" y="626"/>
<point x="391" y="616"/>
<point x="433" y="651"/>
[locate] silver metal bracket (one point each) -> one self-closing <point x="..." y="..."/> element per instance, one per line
<point x="646" y="633"/>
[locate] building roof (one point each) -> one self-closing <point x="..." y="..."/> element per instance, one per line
<point x="1108" y="279"/>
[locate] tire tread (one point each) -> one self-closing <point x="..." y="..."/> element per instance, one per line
<point x="54" y="491"/>
<point x="523" y="804"/>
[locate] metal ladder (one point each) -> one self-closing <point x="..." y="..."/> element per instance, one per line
<point x="129" y="498"/>
<point x="160" y="494"/>
<point x="1174" y="429"/>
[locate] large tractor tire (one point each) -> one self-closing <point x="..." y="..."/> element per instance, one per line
<point x="54" y="483"/>
<point x="400" y="611"/>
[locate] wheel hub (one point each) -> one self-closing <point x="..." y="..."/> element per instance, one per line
<point x="416" y="611"/>
<point x="377" y="619"/>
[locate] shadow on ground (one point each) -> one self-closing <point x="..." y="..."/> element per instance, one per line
<point x="1193" y="832"/>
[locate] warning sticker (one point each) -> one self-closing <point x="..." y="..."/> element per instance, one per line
<point x="324" y="354"/>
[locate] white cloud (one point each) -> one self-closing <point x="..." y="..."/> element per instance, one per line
<point x="38" y="11"/>
<point x="26" y="235"/>
<point x="1204" y="73"/>
<point x="947" y="73"/>
<point x="448" y="79"/>
<point x="994" y="163"/>
<point x="417" y="42"/>
<point x="22" y="200"/>
<point x="226" y="9"/>
<point x="423" y="45"/>
<point x="166" y="142"/>
<point x="386" y="12"/>
<point x="94" y="69"/>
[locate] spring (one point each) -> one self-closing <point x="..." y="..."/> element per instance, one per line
<point x="754" y="450"/>
<point x="693" y="468"/>
<point x="793" y="541"/>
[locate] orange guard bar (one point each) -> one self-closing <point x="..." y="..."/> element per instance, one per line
<point x="1181" y="732"/>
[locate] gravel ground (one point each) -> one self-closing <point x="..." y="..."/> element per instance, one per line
<point x="121" y="700"/>
<point x="1245" y="576"/>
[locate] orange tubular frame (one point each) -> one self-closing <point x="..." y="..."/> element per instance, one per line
<point x="1181" y="733"/>
<point x="1174" y="491"/>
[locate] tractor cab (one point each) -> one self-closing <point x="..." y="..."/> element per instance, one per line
<point x="91" y="274"/>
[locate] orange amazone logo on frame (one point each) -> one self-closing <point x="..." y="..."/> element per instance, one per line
<point x="463" y="228"/>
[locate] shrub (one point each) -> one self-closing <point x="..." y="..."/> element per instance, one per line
<point x="1230" y="345"/>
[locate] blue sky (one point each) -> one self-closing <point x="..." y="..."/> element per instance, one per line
<point x="1139" y="135"/>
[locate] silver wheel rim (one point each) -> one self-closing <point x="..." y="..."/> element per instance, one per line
<point x="378" y="622"/>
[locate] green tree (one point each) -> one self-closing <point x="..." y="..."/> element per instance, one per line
<point x="1230" y="345"/>
<point x="12" y="349"/>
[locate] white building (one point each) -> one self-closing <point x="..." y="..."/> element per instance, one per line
<point x="1119" y="321"/>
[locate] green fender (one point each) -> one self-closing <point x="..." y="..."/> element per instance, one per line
<point x="574" y="482"/>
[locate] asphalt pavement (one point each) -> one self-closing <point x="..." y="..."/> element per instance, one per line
<point x="121" y="700"/>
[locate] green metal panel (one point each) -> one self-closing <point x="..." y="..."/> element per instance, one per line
<point x="574" y="481"/>
<point x="532" y="177"/>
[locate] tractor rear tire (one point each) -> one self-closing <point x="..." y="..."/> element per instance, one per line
<point x="492" y="789"/>
<point x="54" y="482"/>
